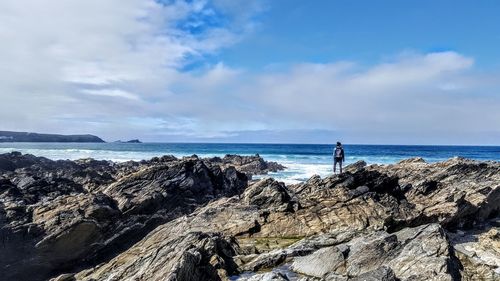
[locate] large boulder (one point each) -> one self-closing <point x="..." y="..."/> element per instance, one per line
<point x="420" y="253"/>
<point x="59" y="231"/>
<point x="269" y="193"/>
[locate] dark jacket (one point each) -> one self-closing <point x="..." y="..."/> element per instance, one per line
<point x="341" y="153"/>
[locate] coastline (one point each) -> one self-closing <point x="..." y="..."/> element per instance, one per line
<point x="149" y="214"/>
<point x="302" y="161"/>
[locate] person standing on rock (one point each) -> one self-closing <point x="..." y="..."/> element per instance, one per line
<point x="338" y="157"/>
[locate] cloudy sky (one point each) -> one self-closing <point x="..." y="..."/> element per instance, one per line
<point x="396" y="72"/>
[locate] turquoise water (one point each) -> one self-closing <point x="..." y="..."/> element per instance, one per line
<point x="302" y="160"/>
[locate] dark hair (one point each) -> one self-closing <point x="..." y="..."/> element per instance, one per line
<point x="338" y="143"/>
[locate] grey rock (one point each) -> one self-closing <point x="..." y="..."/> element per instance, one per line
<point x="382" y="273"/>
<point x="55" y="215"/>
<point x="269" y="276"/>
<point x="250" y="165"/>
<point x="320" y="263"/>
<point x="355" y="166"/>
<point x="191" y="257"/>
<point x="198" y="218"/>
<point x="269" y="193"/>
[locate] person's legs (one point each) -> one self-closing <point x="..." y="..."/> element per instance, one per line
<point x="334" y="165"/>
<point x="340" y="167"/>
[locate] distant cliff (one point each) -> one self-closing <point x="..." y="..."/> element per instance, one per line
<point x="6" y="136"/>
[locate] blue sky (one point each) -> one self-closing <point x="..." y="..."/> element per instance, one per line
<point x="391" y="72"/>
<point x="323" y="31"/>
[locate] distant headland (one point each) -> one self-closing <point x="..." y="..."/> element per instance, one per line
<point x="129" y="141"/>
<point x="8" y="136"/>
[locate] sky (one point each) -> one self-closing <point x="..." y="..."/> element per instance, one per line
<point x="281" y="71"/>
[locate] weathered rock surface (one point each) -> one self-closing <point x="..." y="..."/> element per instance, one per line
<point x="479" y="251"/>
<point x="250" y="165"/>
<point x="407" y="221"/>
<point x="194" y="256"/>
<point x="55" y="215"/>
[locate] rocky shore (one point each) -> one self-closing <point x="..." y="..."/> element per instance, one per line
<point x="202" y="219"/>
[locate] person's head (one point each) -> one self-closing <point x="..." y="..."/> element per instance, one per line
<point x="339" y="144"/>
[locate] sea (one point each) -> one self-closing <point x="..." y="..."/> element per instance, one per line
<point x="301" y="160"/>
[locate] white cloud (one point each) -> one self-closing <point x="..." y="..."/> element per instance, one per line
<point x="112" y="68"/>
<point x="414" y="98"/>
<point x="112" y="93"/>
<point x="68" y="61"/>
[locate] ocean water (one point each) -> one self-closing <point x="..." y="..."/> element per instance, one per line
<point x="302" y="160"/>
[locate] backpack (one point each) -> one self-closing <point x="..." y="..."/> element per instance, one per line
<point x="338" y="152"/>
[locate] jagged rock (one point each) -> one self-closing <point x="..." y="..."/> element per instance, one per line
<point x="250" y="165"/>
<point x="456" y="193"/>
<point x="429" y="246"/>
<point x="55" y="215"/>
<point x="478" y="251"/>
<point x="330" y="206"/>
<point x="59" y="231"/>
<point x="365" y="255"/>
<point x="191" y="257"/>
<point x="269" y="193"/>
<point x="412" y="160"/>
<point x="179" y="185"/>
<point x="358" y="165"/>
<point x="387" y="222"/>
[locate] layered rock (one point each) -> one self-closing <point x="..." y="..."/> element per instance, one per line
<point x="55" y="215"/>
<point x="420" y="253"/>
<point x="251" y="165"/>
<point x="370" y="223"/>
<point x="196" y="219"/>
<point x="193" y="256"/>
<point x="479" y="251"/>
<point x="458" y="193"/>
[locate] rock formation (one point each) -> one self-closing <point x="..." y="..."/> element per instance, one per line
<point x="198" y="219"/>
<point x="251" y="165"/>
<point x="58" y="214"/>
